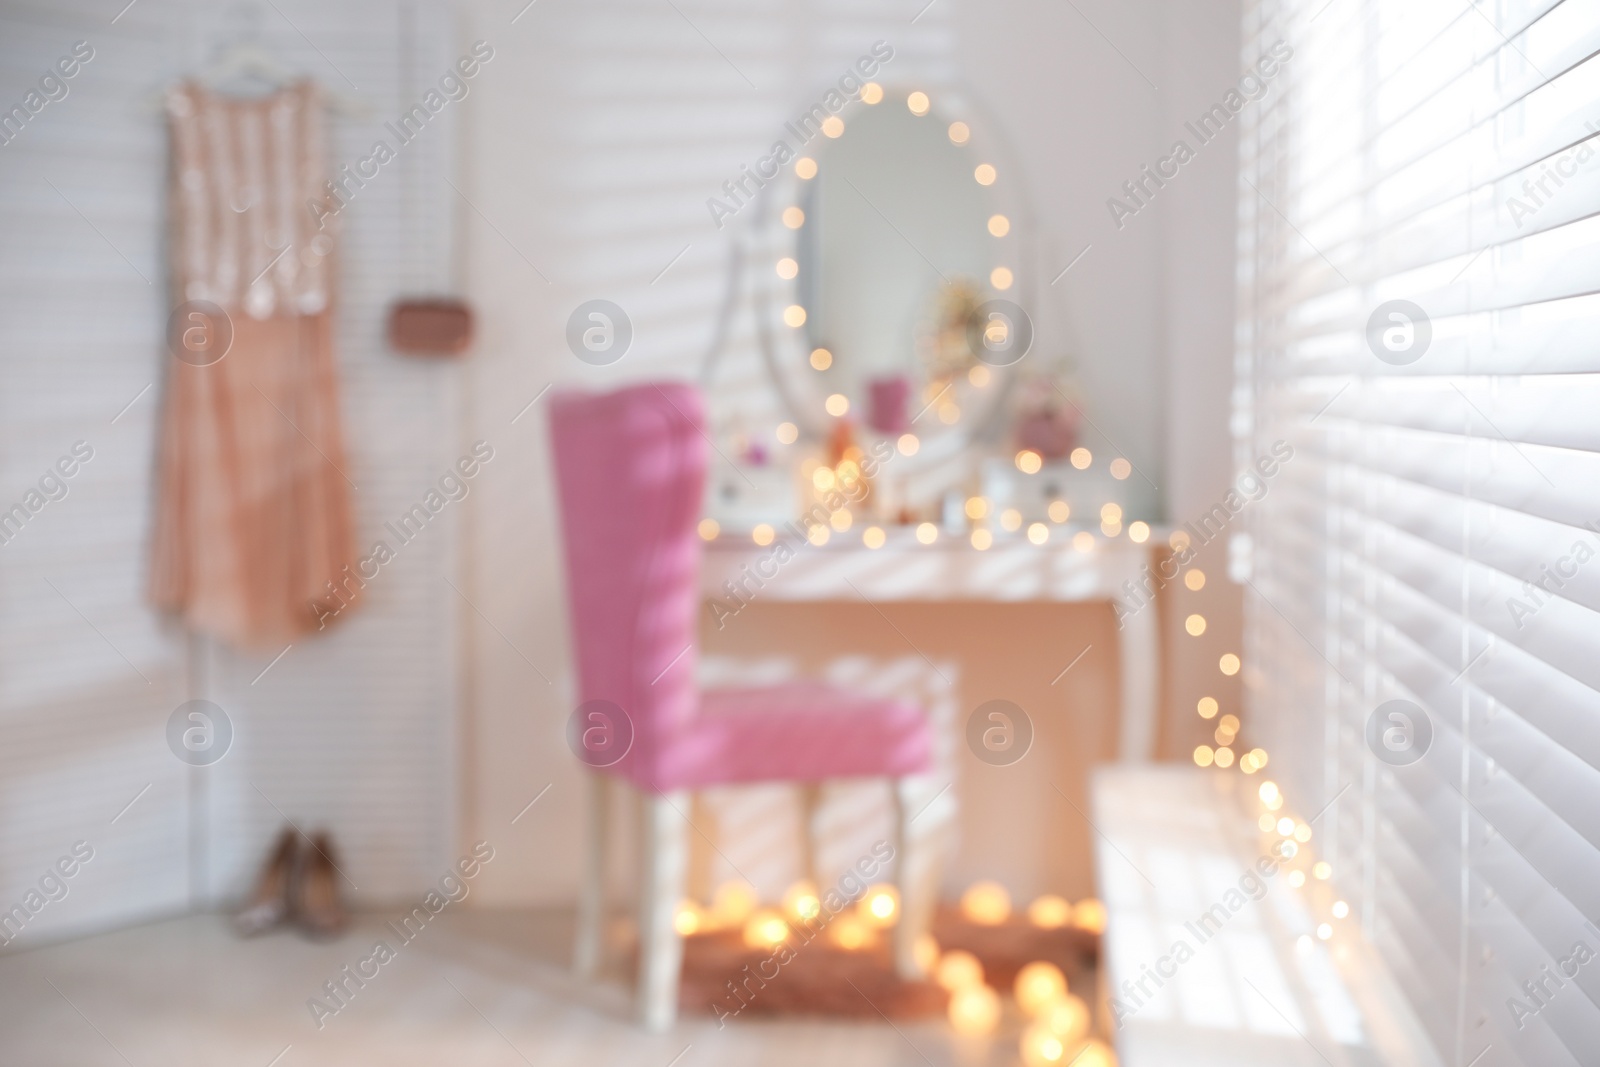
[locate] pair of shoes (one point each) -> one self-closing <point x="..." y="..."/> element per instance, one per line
<point x="299" y="883"/>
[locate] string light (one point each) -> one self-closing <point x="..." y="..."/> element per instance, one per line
<point x="1139" y="532"/>
<point x="762" y="535"/>
<point x="832" y="126"/>
<point x="821" y="359"/>
<point x="1340" y="909"/>
<point x="1195" y="624"/>
<point x="986" y="903"/>
<point x="1120" y="469"/>
<point x="800" y="901"/>
<point x="709" y="528"/>
<point x="917" y="103"/>
<point x="1037" y="985"/>
<point x="840" y="520"/>
<point x="1195" y="579"/>
<point x="984" y="174"/>
<point x="977" y="507"/>
<point x="1059" y="511"/>
<point x="818" y="535"/>
<point x="927" y="533"/>
<point x="793" y="217"/>
<point x="1228" y="664"/>
<point x="1049" y="912"/>
<point x="1224" y="757"/>
<point x="1081" y="458"/>
<point x="1083" y="541"/>
<point x="1207" y="707"/>
<point x="837" y="404"/>
<point x="688" y="919"/>
<point x="1029" y="461"/>
<point x="1001" y="278"/>
<point x="765" y="929"/>
<point x="1321" y="871"/>
<point x="958" y="970"/>
<point x="805" y="168"/>
<point x="873" y="537"/>
<point x="788" y="433"/>
<point x="871" y="93"/>
<point x="982" y="539"/>
<point x="794" y="315"/>
<point x="959" y="133"/>
<point x="974" y="1010"/>
<point x="1038" y="533"/>
<point x="908" y="444"/>
<point x="787" y="268"/>
<point x="1011" y="519"/>
<point x="880" y="907"/>
<point x="999" y="225"/>
<point x="1203" y="755"/>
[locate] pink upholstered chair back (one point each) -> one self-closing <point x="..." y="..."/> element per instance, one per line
<point x="630" y="471"/>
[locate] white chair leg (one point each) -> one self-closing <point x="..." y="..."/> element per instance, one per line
<point x="665" y="845"/>
<point x="592" y="892"/>
<point x="916" y="875"/>
<point x="810" y="808"/>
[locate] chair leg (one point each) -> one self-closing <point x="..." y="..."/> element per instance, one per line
<point x="592" y="893"/>
<point x="665" y="845"/>
<point x="810" y="807"/>
<point x="916" y="871"/>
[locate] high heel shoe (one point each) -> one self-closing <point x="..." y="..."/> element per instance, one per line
<point x="269" y="904"/>
<point x="315" y="899"/>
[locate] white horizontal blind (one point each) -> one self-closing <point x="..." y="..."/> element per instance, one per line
<point x="1410" y="156"/>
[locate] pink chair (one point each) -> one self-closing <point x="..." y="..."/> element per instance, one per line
<point x="630" y="469"/>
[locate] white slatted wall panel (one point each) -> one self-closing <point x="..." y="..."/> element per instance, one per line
<point x="1422" y="497"/>
<point x="353" y="731"/>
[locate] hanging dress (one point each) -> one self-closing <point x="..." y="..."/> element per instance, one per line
<point x="253" y="532"/>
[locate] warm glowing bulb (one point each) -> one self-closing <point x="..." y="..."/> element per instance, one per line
<point x="1011" y="519"/>
<point x="873" y="537"/>
<point x="1195" y="624"/>
<point x="1037" y="985"/>
<point x="1340" y="909"/>
<point x="1179" y="540"/>
<point x="974" y="1010"/>
<point x="765" y="929"/>
<point x="1286" y="827"/>
<point x="1228" y="664"/>
<point x="1083" y="541"/>
<point x="959" y="133"/>
<point x="1042" y="1047"/>
<point x="1038" y="533"/>
<point x="733" y="903"/>
<point x="762" y="534"/>
<point x="1207" y="707"/>
<point x="1224" y="757"/>
<point x="849" y="932"/>
<point x="949" y="413"/>
<point x="1110" y="513"/>
<point x="984" y="174"/>
<point x="1110" y="529"/>
<point x="1093" y="1054"/>
<point x="1324" y="931"/>
<point x="917" y="102"/>
<point x="806" y="168"/>
<point x="1321" y="871"/>
<point x="1059" y="511"/>
<point x="999" y="225"/>
<point x="840" y="520"/>
<point x="1302" y="833"/>
<point x="986" y="903"/>
<point x="687" y="919"/>
<point x="1081" y="458"/>
<point x="1265" y="822"/>
<point x="1049" y="912"/>
<point x="982" y="539"/>
<point x="1001" y="278"/>
<point x="1260" y="754"/>
<point x="927" y="533"/>
<point x="793" y="217"/>
<point x="832" y="126"/>
<point x="1203" y="756"/>
<point x="907" y="444"/>
<point x="977" y="507"/>
<point x="837" y="404"/>
<point x="821" y="359"/>
<point x="1229" y="724"/>
<point x="787" y="268"/>
<point x="1089" y="914"/>
<point x="1297" y="879"/>
<point x="794" y="315"/>
<point x="818" y="535"/>
<point x="1195" y="579"/>
<point x="978" y="375"/>
<point x="709" y="528"/>
<point x="1067" y="1018"/>
<point x="958" y="970"/>
<point x="1268" y="792"/>
<point x="871" y="93"/>
<point x="788" y="433"/>
<point x="822" y="479"/>
<point x="800" y="901"/>
<point x="1139" y="532"/>
<point x="1029" y="461"/>
<point x="880" y="906"/>
<point x="1120" y="469"/>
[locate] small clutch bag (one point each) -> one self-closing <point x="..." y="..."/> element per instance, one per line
<point x="430" y="326"/>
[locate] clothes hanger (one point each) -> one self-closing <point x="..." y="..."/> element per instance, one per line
<point x="245" y="69"/>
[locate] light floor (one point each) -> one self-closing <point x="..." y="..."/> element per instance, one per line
<point x="472" y="988"/>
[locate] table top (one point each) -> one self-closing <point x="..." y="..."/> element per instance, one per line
<point x="951" y="568"/>
<point x="1254" y="984"/>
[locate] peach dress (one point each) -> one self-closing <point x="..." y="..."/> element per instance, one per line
<point x="253" y="533"/>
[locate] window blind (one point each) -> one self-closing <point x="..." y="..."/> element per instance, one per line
<point x="1436" y="538"/>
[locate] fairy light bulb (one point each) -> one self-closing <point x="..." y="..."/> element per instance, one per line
<point x="1089" y="914"/>
<point x="986" y="903"/>
<point x="1037" y="985"/>
<point x="974" y="1010"/>
<point x="958" y="970"/>
<point x="1050" y="912"/>
<point x="800" y="901"/>
<point x="880" y="906"/>
<point x="765" y="929"/>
